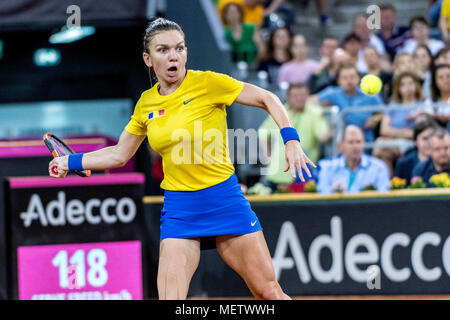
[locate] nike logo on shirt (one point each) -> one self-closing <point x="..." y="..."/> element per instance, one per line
<point x="186" y="102"/>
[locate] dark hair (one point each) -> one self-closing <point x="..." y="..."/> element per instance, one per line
<point x="424" y="125"/>
<point x="435" y="92"/>
<point x="430" y="55"/>
<point x="297" y="85"/>
<point x="347" y="65"/>
<point x="420" y="19"/>
<point x="154" y="27"/>
<point x="271" y="47"/>
<point x="441" y="52"/>
<point x="396" y="96"/>
<point x="387" y="6"/>
<point x="351" y="36"/>
<point x="224" y="10"/>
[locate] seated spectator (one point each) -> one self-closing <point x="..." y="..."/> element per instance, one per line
<point x="372" y="59"/>
<point x="325" y="74"/>
<point x="306" y="118"/>
<point x="404" y="62"/>
<point x="368" y="38"/>
<point x="420" y="153"/>
<point x="277" y="53"/>
<point x="439" y="161"/>
<point x="424" y="60"/>
<point x="438" y="105"/>
<point x="396" y="131"/>
<point x="444" y="21"/>
<point x="253" y="10"/>
<point x="348" y="94"/>
<point x="300" y="68"/>
<point x="239" y="35"/>
<point x="352" y="44"/>
<point x="392" y="35"/>
<point x="353" y="170"/>
<point x="421" y="35"/>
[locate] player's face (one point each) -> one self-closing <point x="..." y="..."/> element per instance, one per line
<point x="168" y="56"/>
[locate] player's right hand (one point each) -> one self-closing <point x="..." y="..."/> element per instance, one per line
<point x="58" y="167"/>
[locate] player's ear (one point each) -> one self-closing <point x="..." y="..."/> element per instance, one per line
<point x="147" y="59"/>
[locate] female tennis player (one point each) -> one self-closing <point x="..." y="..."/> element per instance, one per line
<point x="203" y="199"/>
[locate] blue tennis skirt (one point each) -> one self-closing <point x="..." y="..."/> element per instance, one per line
<point x="221" y="209"/>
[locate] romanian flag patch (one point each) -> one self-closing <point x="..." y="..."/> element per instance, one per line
<point x="156" y="114"/>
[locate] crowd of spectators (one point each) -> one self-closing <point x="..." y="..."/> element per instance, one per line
<point x="406" y="137"/>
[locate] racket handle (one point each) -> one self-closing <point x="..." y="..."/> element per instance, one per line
<point x="54" y="169"/>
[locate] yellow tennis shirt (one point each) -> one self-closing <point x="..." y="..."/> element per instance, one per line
<point x="188" y="128"/>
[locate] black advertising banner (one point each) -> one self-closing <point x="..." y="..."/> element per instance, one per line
<point x="77" y="238"/>
<point x="350" y="246"/>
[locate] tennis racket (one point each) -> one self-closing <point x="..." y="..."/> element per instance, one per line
<point x="58" y="149"/>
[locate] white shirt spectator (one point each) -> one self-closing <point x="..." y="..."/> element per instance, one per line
<point x="375" y="42"/>
<point x="411" y="45"/>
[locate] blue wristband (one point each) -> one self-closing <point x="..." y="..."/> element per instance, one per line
<point x="75" y="162"/>
<point x="289" y="133"/>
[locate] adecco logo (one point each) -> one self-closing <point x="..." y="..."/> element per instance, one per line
<point x="348" y="256"/>
<point x="75" y="212"/>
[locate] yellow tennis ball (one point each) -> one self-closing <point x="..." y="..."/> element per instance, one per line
<point x="371" y="84"/>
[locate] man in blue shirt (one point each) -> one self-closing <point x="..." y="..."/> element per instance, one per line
<point x="348" y="94"/>
<point x="439" y="161"/>
<point x="354" y="170"/>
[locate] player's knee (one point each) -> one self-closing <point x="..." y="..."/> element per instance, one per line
<point x="271" y="291"/>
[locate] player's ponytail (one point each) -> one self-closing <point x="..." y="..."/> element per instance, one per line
<point x="154" y="27"/>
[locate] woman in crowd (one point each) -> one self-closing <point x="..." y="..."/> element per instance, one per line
<point x="300" y="68"/>
<point x="243" y="38"/>
<point x="438" y="105"/>
<point x="424" y="60"/>
<point x="277" y="52"/>
<point x="396" y="130"/>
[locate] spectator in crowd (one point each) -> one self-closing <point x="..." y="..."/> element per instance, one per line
<point x="353" y="170"/>
<point x="404" y="62"/>
<point x="420" y="152"/>
<point x="372" y="59"/>
<point x="368" y="38"/>
<point x="325" y="74"/>
<point x="392" y="35"/>
<point x="438" y="106"/>
<point x="421" y="35"/>
<point x="305" y="117"/>
<point x="300" y="68"/>
<point x="352" y="44"/>
<point x="321" y="6"/>
<point x="348" y="94"/>
<point x="424" y="59"/>
<point x="253" y="10"/>
<point x="442" y="57"/>
<point x="439" y="161"/>
<point x="277" y="52"/>
<point x="444" y="21"/>
<point x="241" y="37"/>
<point x="396" y="131"/>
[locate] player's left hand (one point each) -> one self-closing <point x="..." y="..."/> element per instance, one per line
<point x="297" y="159"/>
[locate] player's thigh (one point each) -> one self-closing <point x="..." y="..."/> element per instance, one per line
<point x="249" y="256"/>
<point x="178" y="257"/>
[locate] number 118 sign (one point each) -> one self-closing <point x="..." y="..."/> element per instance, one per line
<point x="91" y="271"/>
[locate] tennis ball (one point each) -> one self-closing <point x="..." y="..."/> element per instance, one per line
<point x="371" y="84"/>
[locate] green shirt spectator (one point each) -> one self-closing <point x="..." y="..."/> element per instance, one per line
<point x="310" y="124"/>
<point x="243" y="49"/>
